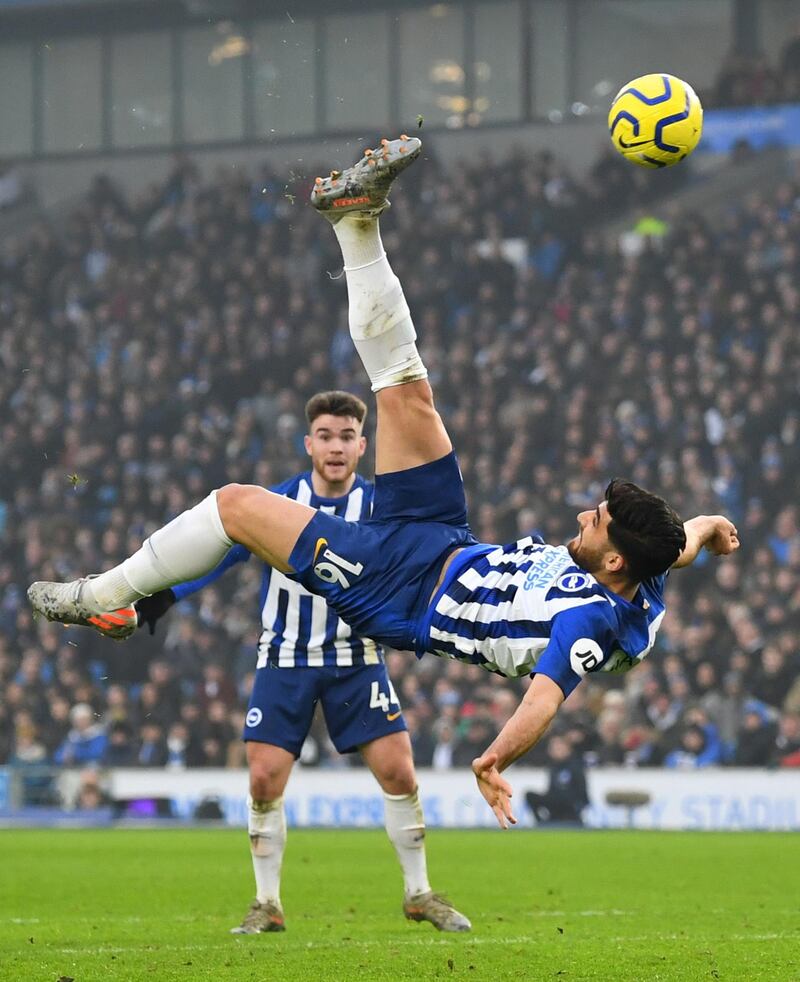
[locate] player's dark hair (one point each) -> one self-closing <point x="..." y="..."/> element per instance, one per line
<point x="335" y="403"/>
<point x="644" y="529"/>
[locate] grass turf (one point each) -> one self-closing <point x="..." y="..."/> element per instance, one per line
<point x="612" y="906"/>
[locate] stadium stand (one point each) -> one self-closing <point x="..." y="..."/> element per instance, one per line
<point x="188" y="325"/>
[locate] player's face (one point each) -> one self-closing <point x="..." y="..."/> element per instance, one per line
<point x="591" y="547"/>
<point x="335" y="445"/>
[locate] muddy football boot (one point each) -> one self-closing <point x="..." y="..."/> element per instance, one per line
<point x="364" y="186"/>
<point x="261" y="918"/>
<point x="439" y="911"/>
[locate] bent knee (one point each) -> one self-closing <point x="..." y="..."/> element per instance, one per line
<point x="266" y="786"/>
<point x="398" y="780"/>
<point x="238" y="506"/>
<point x="234" y="499"/>
<point x="269" y="777"/>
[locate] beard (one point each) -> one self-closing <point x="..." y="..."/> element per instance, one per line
<point x="589" y="559"/>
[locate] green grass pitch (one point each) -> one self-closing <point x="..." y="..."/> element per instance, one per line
<point x="612" y="906"/>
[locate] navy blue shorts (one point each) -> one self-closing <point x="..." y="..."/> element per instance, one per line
<point x="378" y="575"/>
<point x="359" y="703"/>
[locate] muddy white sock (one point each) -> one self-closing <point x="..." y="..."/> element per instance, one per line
<point x="405" y="825"/>
<point x="379" y="318"/>
<point x="266" y="825"/>
<point x="188" y="547"/>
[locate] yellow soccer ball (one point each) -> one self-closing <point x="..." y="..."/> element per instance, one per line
<point x="655" y="120"/>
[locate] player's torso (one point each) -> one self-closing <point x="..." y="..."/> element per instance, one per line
<point x="499" y="611"/>
<point x="298" y="628"/>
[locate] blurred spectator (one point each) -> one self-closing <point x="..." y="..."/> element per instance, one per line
<point x="444" y="748"/>
<point x="786" y="752"/>
<point x="90" y="795"/>
<point x="609" y="751"/>
<point x="756" y="737"/>
<point x="86" y="741"/>
<point x="749" y="80"/>
<point x="699" y="744"/>
<point x="566" y="795"/>
<point x="182" y="749"/>
<point x="478" y="734"/>
<point x="772" y="678"/>
<point x="120" y="750"/>
<point x="152" y="750"/>
<point x="28" y="749"/>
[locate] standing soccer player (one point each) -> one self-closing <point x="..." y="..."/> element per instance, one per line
<point x="413" y="576"/>
<point x="307" y="654"/>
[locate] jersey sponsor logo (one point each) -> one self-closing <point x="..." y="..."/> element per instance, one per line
<point x="619" y="662"/>
<point x="573" y="582"/>
<point x="584" y="656"/>
<point x="333" y="568"/>
<point x="254" y="716"/>
<point x="540" y="572"/>
<point x="391" y="717"/>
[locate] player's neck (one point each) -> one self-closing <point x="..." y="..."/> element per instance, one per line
<point x="616" y="584"/>
<point x="331" y="489"/>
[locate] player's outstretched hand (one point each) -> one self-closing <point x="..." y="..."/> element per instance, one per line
<point x="494" y="788"/>
<point x="725" y="538"/>
<point x="152" y="609"/>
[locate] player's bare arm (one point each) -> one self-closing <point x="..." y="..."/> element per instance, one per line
<point x="715" y="533"/>
<point x="522" y="731"/>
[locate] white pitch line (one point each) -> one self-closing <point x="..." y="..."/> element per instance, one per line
<point x="210" y="918"/>
<point x="466" y="943"/>
<point x="581" y="913"/>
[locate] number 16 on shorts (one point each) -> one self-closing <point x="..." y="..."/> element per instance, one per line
<point x="379" y="700"/>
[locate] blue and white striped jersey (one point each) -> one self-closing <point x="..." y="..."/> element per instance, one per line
<point x="528" y="608"/>
<point x="299" y="629"/>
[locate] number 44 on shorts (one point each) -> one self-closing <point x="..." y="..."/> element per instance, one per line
<point x="379" y="700"/>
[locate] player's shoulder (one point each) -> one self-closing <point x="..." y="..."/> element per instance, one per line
<point x="595" y="614"/>
<point x="654" y="586"/>
<point x="521" y="550"/>
<point x="301" y="488"/>
<point x="291" y="486"/>
<point x="368" y="487"/>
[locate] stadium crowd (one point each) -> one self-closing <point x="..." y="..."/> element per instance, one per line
<point x="752" y="80"/>
<point x="165" y="344"/>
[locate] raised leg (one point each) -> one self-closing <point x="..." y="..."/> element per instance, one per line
<point x="409" y="430"/>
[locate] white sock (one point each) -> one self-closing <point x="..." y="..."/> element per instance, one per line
<point x="360" y="241"/>
<point x="380" y="321"/>
<point x="405" y="825"/>
<point x="266" y="825"/>
<point x="188" y="547"/>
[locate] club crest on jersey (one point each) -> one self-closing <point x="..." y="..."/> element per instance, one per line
<point x="254" y="716"/>
<point x="573" y="582"/>
<point x="585" y="655"/>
